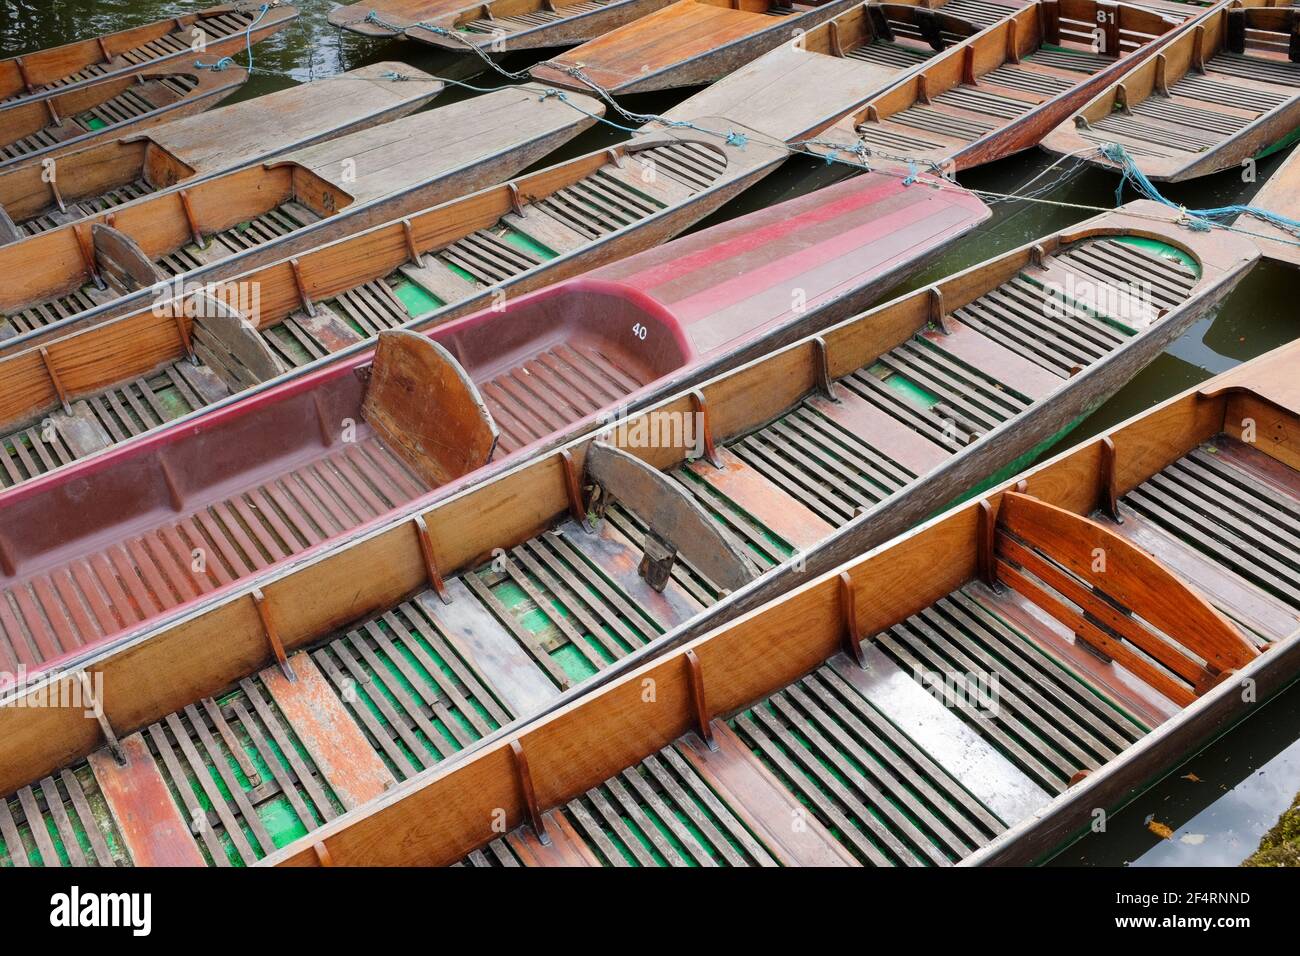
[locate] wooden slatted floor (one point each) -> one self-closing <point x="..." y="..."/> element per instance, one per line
<point x="607" y="200"/>
<point x="1202" y="110"/>
<point x="417" y="683"/>
<point x="965" y="113"/>
<point x="113" y="587"/>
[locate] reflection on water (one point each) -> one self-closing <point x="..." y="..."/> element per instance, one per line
<point x="1247" y="779"/>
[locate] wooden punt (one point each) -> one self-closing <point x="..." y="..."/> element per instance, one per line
<point x="1281" y="195"/>
<point x="613" y="338"/>
<point x="1002" y="91"/>
<point x="1225" y="90"/>
<point x="390" y="17"/>
<point x="970" y="693"/>
<point x="215" y="32"/>
<point x="405" y="682"/>
<point x="84" y="273"/>
<point x="50" y="127"/>
<point x="99" y="177"/>
<point x="688" y="43"/>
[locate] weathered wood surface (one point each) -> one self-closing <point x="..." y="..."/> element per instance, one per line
<point x="145" y="340"/>
<point x="222" y="29"/>
<point x="427" y="408"/>
<point x="391" y="16"/>
<point x="299" y="116"/>
<point x="579" y="746"/>
<point x="805" y="84"/>
<point x="225" y="640"/>
<point x="687" y="43"/>
<point x="1004" y="90"/>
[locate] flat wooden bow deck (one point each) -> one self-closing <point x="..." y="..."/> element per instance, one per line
<point x="425" y="662"/>
<point x="687" y="43"/>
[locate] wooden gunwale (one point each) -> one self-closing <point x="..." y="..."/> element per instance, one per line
<point x="582" y="746"/>
<point x="77" y="64"/>
<point x="311" y="599"/>
<point x="1277" y="195"/>
<point x="205" y="89"/>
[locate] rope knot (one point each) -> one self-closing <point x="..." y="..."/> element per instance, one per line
<point x="738" y="140"/>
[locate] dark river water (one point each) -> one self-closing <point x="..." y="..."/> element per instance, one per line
<point x="1222" y="800"/>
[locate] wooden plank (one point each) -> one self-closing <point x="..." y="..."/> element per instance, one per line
<point x="150" y="822"/>
<point x="755" y="494"/>
<point x="750" y="790"/>
<point x="491" y="649"/>
<point x="909" y="448"/>
<point x="336" y="744"/>
<point x="993" y="779"/>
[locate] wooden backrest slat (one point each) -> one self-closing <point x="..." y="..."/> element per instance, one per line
<point x="1131" y="630"/>
<point x="1140" y="667"/>
<point x="1131" y="577"/>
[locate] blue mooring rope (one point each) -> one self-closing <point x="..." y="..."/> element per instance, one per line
<point x="226" y="62"/>
<point x="1201" y="219"/>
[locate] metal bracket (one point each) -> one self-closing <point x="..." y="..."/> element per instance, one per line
<point x="702" y="409"/>
<point x="272" y="635"/>
<point x="1109" y="491"/>
<point x="825" y="384"/>
<point x="97" y="708"/>
<point x="851" y="637"/>
<point x="699" y="703"/>
<point x="657" y="562"/>
<point x="530" y="795"/>
<point x="431" y="571"/>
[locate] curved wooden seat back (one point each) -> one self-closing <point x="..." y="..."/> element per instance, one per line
<point x="121" y="256"/>
<point x="1104" y="576"/>
<point x="678" y="522"/>
<point x="427" y="408"/>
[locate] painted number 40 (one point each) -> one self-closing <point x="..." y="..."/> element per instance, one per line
<point x="639" y="331"/>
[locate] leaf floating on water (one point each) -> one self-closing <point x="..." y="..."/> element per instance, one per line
<point x="1159" y="829"/>
<point x="1192" y="777"/>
